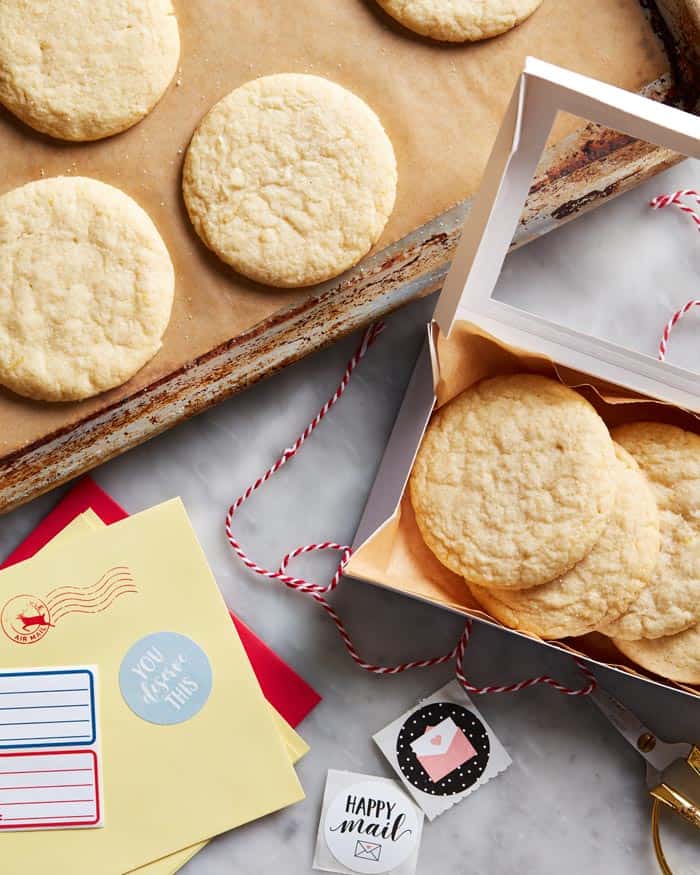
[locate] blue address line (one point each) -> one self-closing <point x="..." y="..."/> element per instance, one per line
<point x="46" y="738"/>
<point x="32" y="692"/>
<point x="43" y="722"/>
<point x="41" y="707"/>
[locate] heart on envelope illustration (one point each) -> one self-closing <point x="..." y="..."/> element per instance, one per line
<point x="442" y="749"/>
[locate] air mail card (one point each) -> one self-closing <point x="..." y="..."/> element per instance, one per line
<point x="88" y="522"/>
<point x="180" y="718"/>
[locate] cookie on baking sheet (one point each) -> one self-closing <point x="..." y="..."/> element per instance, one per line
<point x="604" y="583"/>
<point x="290" y="179"/>
<point x="670" y="458"/>
<point x="460" y="21"/>
<point x="86" y="288"/>
<point x="514" y="481"/>
<point x="676" y="657"/>
<point x="85" y="70"/>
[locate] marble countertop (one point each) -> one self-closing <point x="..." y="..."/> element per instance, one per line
<point x="574" y="799"/>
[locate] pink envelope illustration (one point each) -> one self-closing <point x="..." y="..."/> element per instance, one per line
<point x="367" y="850"/>
<point x="442" y="749"/>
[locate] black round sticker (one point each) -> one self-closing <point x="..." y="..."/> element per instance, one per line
<point x="464" y="775"/>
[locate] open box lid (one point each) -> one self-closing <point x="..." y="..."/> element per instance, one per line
<point x="543" y="91"/>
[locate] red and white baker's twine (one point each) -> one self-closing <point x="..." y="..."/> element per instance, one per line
<point x="318" y="592"/>
<point x="676" y="200"/>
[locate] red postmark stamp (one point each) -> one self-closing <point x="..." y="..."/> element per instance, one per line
<point x="25" y="619"/>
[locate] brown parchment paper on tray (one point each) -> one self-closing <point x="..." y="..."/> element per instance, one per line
<point x="440" y="104"/>
<point x="396" y="555"/>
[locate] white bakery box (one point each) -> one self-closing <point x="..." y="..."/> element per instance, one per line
<point x="475" y="335"/>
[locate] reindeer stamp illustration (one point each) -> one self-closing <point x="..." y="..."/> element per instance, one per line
<point x="39" y="618"/>
<point x="26" y="619"/>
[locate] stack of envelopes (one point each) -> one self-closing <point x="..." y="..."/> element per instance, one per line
<point x="132" y="727"/>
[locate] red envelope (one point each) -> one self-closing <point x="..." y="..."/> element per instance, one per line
<point x="286" y="691"/>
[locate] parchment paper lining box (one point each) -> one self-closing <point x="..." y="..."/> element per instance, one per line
<point x="474" y="335"/>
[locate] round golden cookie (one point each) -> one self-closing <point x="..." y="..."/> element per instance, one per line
<point x="86" y="288"/>
<point x="460" y="20"/>
<point x="290" y="179"/>
<point x="86" y="69"/>
<point x="604" y="583"/>
<point x="676" y="657"/>
<point x="514" y="481"/>
<point x="670" y="458"/>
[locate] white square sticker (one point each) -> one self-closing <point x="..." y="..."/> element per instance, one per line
<point x="442" y="750"/>
<point x="368" y="825"/>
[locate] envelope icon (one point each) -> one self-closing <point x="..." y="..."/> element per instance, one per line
<point x="442" y="749"/>
<point x="368" y="850"/>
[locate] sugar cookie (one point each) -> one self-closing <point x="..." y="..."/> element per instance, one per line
<point x="604" y="583"/>
<point x="290" y="179"/>
<point x="85" y="70"/>
<point x="676" y="657"/>
<point x="86" y="288"/>
<point x="460" y="20"/>
<point x="670" y="457"/>
<point x="514" y="481"/>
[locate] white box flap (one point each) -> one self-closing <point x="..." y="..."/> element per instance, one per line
<point x="543" y="91"/>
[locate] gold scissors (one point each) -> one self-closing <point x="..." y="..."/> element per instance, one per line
<point x="673" y="770"/>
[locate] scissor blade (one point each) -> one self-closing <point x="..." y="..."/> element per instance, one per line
<point x="659" y="754"/>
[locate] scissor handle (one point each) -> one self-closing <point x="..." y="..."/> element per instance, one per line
<point x="658" y="850"/>
<point x="678" y="802"/>
<point x="655" y="815"/>
<point x="667" y="796"/>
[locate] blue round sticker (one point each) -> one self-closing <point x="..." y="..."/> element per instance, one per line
<point x="165" y="678"/>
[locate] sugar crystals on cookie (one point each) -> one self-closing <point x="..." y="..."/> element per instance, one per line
<point x="670" y="458"/>
<point x="290" y="179"/>
<point x="86" y="288"/>
<point x="514" y="481"/>
<point x="604" y="583"/>
<point x="85" y="70"/>
<point x="460" y="20"/>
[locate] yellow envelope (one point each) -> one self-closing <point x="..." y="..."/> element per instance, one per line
<point x="296" y="748"/>
<point x="89" y="521"/>
<point x="164" y="786"/>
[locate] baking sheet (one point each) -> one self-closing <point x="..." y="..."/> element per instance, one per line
<point x="441" y="106"/>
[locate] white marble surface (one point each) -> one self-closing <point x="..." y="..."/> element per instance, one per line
<point x="574" y="799"/>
